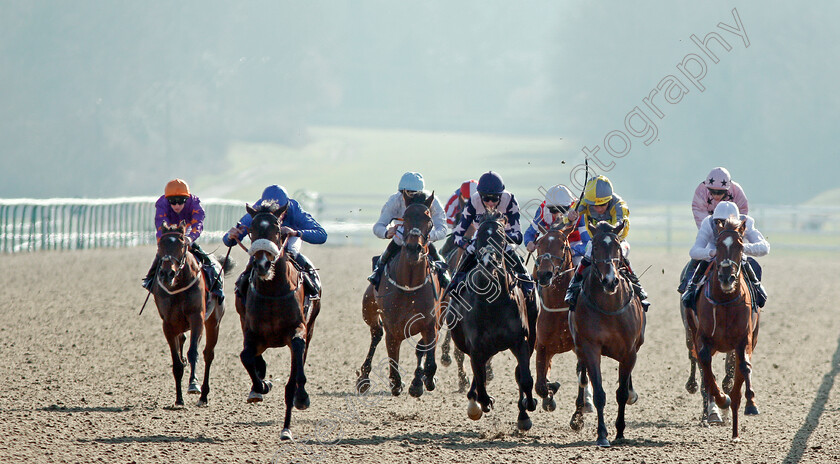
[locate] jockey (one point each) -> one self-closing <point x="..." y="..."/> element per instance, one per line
<point x="453" y="210"/>
<point x="557" y="207"/>
<point x="411" y="185"/>
<point x="491" y="195"/>
<point x="704" y="249"/>
<point x="601" y="204"/>
<point x="296" y="222"/>
<point x="717" y="187"/>
<point x="175" y="205"/>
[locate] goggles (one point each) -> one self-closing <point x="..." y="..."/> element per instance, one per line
<point x="177" y="200"/>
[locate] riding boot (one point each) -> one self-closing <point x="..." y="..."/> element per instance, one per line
<point x="637" y="286"/>
<point x="243" y="282"/>
<point x="760" y="292"/>
<point x="574" y="286"/>
<point x="440" y="266"/>
<point x="150" y="276"/>
<point x="210" y="271"/>
<point x="689" y="298"/>
<point x="468" y="260"/>
<point x="311" y="278"/>
<point x="386" y="255"/>
<point x="689" y="272"/>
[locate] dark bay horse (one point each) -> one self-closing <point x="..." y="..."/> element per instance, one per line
<point x="608" y="320"/>
<point x="710" y="413"/>
<point x="407" y="304"/>
<point x="553" y="270"/>
<point x="453" y="259"/>
<point x="491" y="317"/>
<point x="274" y="313"/>
<point x="725" y="320"/>
<point x="181" y="296"/>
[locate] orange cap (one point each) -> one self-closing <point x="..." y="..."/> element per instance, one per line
<point x="177" y="188"/>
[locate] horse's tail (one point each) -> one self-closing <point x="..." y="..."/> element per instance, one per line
<point x="227" y="263"/>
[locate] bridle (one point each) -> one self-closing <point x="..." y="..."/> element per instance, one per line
<point x="616" y="261"/>
<point x="727" y="262"/>
<point x="274" y="250"/>
<point x="179" y="261"/>
<point x="566" y="259"/>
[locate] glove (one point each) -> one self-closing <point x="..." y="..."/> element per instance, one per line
<point x="471" y="249"/>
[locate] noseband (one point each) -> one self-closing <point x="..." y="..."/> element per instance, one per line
<point x="614" y="261"/>
<point x="179" y="261"/>
<point x="554" y="266"/>
<point x="728" y="262"/>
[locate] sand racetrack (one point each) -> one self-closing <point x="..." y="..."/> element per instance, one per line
<point x="84" y="379"/>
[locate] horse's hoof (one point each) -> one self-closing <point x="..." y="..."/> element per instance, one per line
<point x="487" y="407"/>
<point x="549" y="404"/>
<point x="254" y="397"/>
<point x="714" y="416"/>
<point x="531" y="404"/>
<point x="286" y="434"/>
<point x="632" y="397"/>
<point x="751" y="410"/>
<point x="416" y="389"/>
<point x="430" y="382"/>
<point x="524" y="424"/>
<point x="397" y="389"/>
<point x="726" y="401"/>
<point x="554" y="387"/>
<point x="445" y="359"/>
<point x="588" y="407"/>
<point x="577" y="422"/>
<point x="202" y="403"/>
<point x="362" y="386"/>
<point x="193" y="389"/>
<point x="691" y="387"/>
<point x="302" y="402"/>
<point x="474" y="410"/>
<point x="603" y="443"/>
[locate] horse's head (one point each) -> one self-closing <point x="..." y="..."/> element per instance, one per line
<point x="417" y="225"/>
<point x="172" y="249"/>
<point x="606" y="253"/>
<point x="553" y="253"/>
<point x="729" y="245"/>
<point x="266" y="240"/>
<point x="490" y="240"/>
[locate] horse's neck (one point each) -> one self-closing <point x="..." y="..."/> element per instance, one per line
<point x="408" y="273"/>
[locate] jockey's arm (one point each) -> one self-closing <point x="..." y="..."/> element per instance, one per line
<point x="388" y="213"/>
<point x="704" y="243"/>
<point x="309" y="229"/>
<point x="754" y="243"/>
<point x="439" y="222"/>
<point x="513" y="229"/>
<point x="467" y="218"/>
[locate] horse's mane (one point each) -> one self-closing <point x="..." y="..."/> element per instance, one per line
<point x="731" y="223"/>
<point x="420" y="198"/>
<point x="267" y="206"/>
<point x="492" y="215"/>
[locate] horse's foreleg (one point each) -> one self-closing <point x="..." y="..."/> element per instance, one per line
<point x="745" y="366"/>
<point x="735" y="393"/>
<point x="212" y="328"/>
<point x="249" y="358"/>
<point x="729" y="370"/>
<point x="430" y="366"/>
<point x="691" y="384"/>
<point x="463" y="381"/>
<point x="363" y="382"/>
<point x="623" y="393"/>
<point x="196" y="331"/>
<point x="298" y="347"/>
<point x="445" y="358"/>
<point x="392" y="344"/>
<point x="704" y="355"/>
<point x="592" y="362"/>
<point x="175" y="344"/>
<point x="526" y="384"/>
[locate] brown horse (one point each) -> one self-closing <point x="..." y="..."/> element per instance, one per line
<point x="184" y="305"/>
<point x="725" y="321"/>
<point x="553" y="270"/>
<point x="274" y="313"/>
<point x="608" y="320"/>
<point x="406" y="304"/>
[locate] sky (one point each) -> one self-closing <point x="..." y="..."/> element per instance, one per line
<point x="105" y="98"/>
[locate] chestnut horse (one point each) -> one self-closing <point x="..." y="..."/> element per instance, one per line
<point x="491" y="317"/>
<point x="608" y="320"/>
<point x="725" y="320"/>
<point x="406" y="304"/>
<point x="181" y="296"/>
<point x="274" y="313"/>
<point x="553" y="271"/>
<point x="711" y="413"/>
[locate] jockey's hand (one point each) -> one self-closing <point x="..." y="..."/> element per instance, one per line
<point x="391" y="231"/>
<point x="235" y="232"/>
<point x="471" y="249"/>
<point x="713" y="253"/>
<point x="531" y="246"/>
<point x="286" y="230"/>
<point x="187" y="240"/>
<point x="572" y="215"/>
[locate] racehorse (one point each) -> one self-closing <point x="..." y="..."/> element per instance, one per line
<point x="181" y="296"/>
<point x="406" y="304"/>
<point x="725" y="320"/>
<point x="274" y="312"/>
<point x="711" y="413"/>
<point x="491" y="317"/>
<point x="553" y="270"/>
<point x="453" y="258"/>
<point x="608" y="320"/>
